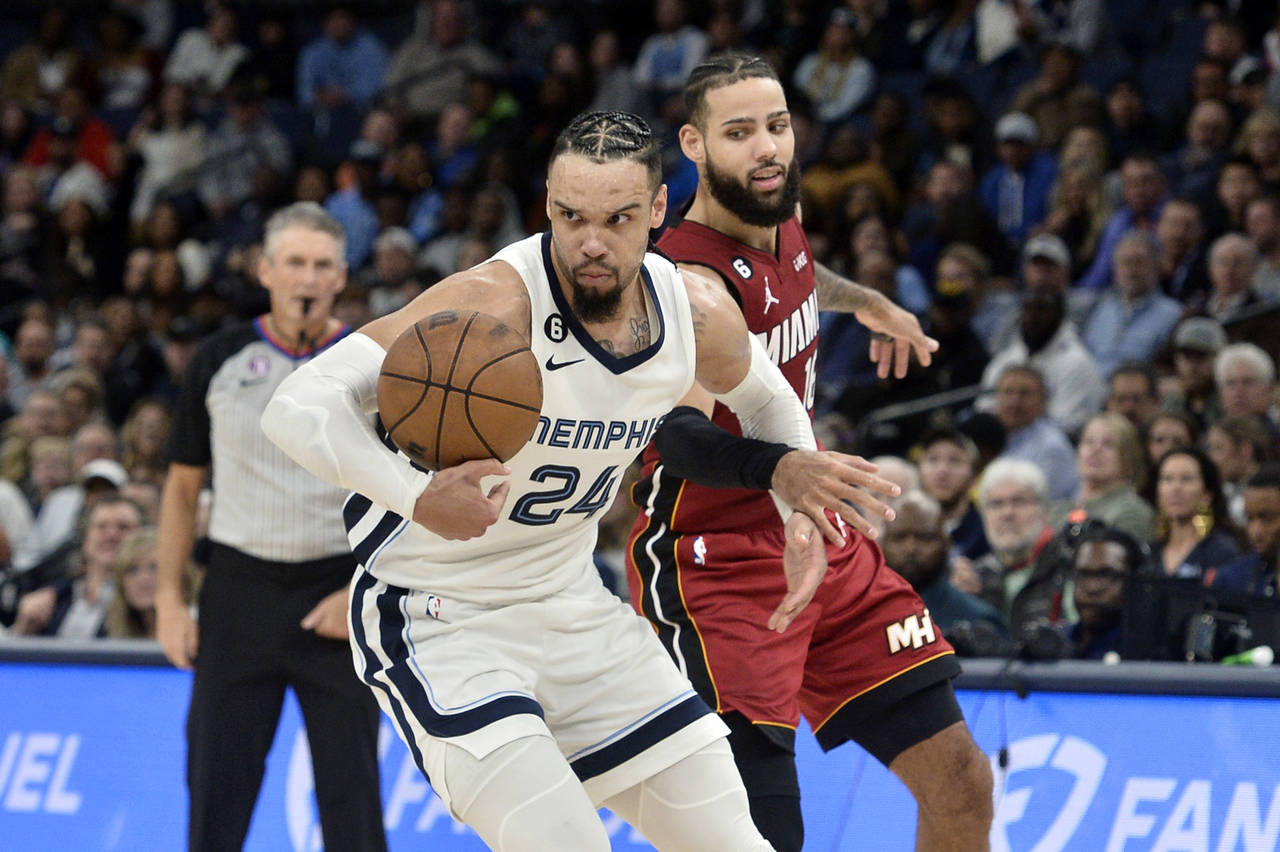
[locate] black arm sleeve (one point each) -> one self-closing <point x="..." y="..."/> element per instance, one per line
<point x="694" y="448"/>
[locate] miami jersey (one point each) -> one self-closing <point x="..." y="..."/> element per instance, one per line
<point x="780" y="303"/>
<point x="598" y="412"/>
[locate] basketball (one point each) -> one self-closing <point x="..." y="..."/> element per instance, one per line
<point x="459" y="385"/>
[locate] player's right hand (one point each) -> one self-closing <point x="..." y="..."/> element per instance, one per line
<point x="818" y="481"/>
<point x="176" y="631"/>
<point x="804" y="561"/>
<point x="455" y="507"/>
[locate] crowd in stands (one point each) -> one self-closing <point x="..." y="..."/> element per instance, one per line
<point x="1080" y="199"/>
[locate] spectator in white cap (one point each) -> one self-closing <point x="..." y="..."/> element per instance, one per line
<point x="1015" y="191"/>
<point x="1046" y="339"/>
<point x="1196" y="343"/>
<point x="393" y="265"/>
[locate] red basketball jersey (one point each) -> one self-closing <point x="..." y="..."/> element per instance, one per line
<point x="778" y="298"/>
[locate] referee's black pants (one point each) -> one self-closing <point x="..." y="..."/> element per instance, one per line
<point x="251" y="648"/>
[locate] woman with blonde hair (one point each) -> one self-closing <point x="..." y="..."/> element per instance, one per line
<point x="131" y="613"/>
<point x="1112" y="468"/>
<point x="1078" y="211"/>
<point x="1259" y="140"/>
<point x="143" y="437"/>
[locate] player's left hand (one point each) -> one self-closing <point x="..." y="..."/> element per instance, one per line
<point x="804" y="561"/>
<point x="896" y="335"/>
<point x="329" y="617"/>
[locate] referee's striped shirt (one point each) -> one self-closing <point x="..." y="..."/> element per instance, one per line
<point x="264" y="504"/>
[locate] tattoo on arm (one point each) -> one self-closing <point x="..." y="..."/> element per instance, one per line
<point x="699" y="317"/>
<point x="837" y="293"/>
<point x="640" y="332"/>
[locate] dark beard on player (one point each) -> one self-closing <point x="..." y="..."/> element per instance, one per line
<point x="592" y="305"/>
<point x="749" y="206"/>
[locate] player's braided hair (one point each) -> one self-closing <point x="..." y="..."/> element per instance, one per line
<point x="723" y="69"/>
<point x="606" y="135"/>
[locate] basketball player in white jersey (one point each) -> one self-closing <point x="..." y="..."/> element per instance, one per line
<point x="527" y="693"/>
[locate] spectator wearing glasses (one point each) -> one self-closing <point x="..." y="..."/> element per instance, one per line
<point x="1105" y="558"/>
<point x="1015" y="578"/>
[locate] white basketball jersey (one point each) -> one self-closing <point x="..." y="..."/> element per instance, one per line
<point x="598" y="413"/>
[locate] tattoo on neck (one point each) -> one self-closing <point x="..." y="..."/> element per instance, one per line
<point x="640" y="332"/>
<point x="607" y="346"/>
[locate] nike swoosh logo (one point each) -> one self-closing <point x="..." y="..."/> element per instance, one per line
<point x="552" y="365"/>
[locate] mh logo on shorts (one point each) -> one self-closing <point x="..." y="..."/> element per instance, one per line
<point x="914" y="631"/>
<point x="433" y="606"/>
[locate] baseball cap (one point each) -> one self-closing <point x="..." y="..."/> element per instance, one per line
<point x="111" y="471"/>
<point x="396" y="237"/>
<point x="1201" y="334"/>
<point x="1049" y="247"/>
<point x="1017" y="127"/>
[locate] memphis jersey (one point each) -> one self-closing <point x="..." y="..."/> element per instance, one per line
<point x="779" y="301"/>
<point x="598" y="413"/>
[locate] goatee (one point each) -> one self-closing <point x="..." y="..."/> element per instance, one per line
<point x="595" y="305"/>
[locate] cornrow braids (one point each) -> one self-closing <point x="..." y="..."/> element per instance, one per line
<point x="606" y="135"/>
<point x="723" y="69"/>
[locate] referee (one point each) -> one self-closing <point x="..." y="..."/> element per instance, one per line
<point x="273" y="605"/>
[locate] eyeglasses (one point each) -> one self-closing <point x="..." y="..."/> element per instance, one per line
<point x="1000" y="504"/>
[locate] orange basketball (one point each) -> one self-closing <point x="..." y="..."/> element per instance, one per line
<point x="459" y="385"/>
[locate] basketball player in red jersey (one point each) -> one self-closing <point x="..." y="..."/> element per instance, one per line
<point x="865" y="663"/>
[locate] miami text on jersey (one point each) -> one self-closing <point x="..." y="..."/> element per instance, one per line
<point x="793" y="334"/>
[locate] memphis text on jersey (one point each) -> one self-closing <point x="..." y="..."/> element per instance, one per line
<point x="793" y="334"/>
<point x="568" y="433"/>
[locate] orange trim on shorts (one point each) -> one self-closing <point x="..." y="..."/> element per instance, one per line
<point x="874" y="686"/>
<point x="774" y="724"/>
<point x="706" y="659"/>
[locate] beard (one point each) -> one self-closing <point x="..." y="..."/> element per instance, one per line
<point x="595" y="305"/>
<point x="752" y="207"/>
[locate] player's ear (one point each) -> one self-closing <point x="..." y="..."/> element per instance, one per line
<point x="691" y="143"/>
<point x="658" y="209"/>
<point x="264" y="269"/>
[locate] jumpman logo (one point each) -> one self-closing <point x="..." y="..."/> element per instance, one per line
<point x="769" y="299"/>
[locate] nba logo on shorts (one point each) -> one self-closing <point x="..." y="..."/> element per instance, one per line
<point x="433" y="606"/>
<point x="699" y="551"/>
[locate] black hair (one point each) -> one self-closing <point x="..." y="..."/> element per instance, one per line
<point x="956" y="438"/>
<point x="1266" y="476"/>
<point x="1139" y="368"/>
<point x="1137" y="554"/>
<point x="723" y="69"/>
<point x="1212" y="480"/>
<point x="603" y="136"/>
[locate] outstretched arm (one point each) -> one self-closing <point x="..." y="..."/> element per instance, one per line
<point x="896" y="332"/>
<point x="734" y="368"/>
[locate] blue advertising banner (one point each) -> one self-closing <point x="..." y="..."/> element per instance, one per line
<point x="92" y="758"/>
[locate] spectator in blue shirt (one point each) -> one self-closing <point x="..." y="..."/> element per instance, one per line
<point x="344" y="65"/>
<point x="1133" y="319"/>
<point x="1021" y="397"/>
<point x="1015" y="191"/>
<point x="1143" y="186"/>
